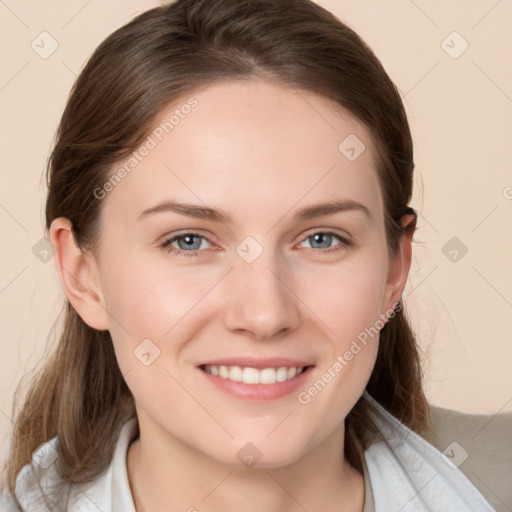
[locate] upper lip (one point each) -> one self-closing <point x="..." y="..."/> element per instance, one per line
<point x="258" y="363"/>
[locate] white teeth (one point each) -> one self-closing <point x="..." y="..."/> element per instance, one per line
<point x="282" y="374"/>
<point x="250" y="375"/>
<point x="235" y="373"/>
<point x="268" y="376"/>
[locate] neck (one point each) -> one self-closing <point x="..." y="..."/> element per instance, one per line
<point x="173" y="476"/>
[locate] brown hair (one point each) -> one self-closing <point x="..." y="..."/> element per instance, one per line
<point x="143" y="67"/>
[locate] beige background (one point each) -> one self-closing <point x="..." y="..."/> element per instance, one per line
<point x="460" y="111"/>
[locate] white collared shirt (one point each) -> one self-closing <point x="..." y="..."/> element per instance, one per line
<point x="402" y="472"/>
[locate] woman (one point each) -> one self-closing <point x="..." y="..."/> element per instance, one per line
<point x="228" y="203"/>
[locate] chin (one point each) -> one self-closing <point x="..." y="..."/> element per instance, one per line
<point x="261" y="454"/>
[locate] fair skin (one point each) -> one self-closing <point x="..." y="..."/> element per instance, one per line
<point x="260" y="152"/>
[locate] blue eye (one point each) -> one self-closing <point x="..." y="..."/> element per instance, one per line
<point x="185" y="243"/>
<point x="320" y="240"/>
<point x="192" y="244"/>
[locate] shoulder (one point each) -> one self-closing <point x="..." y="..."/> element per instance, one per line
<point x="39" y="485"/>
<point x="410" y="474"/>
<point x="480" y="446"/>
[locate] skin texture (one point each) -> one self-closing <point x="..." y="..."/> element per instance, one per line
<point x="260" y="152"/>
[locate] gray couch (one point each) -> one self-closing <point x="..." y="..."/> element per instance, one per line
<point x="481" y="447"/>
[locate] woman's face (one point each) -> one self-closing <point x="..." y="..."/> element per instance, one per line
<point x="249" y="235"/>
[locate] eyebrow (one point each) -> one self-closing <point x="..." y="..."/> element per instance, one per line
<point x="206" y="213"/>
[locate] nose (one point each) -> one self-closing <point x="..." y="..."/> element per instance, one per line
<point x="262" y="303"/>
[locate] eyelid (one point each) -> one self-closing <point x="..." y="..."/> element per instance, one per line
<point x="168" y="240"/>
<point x="342" y="244"/>
<point x="341" y="234"/>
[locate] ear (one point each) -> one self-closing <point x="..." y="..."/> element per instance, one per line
<point x="78" y="275"/>
<point x="400" y="263"/>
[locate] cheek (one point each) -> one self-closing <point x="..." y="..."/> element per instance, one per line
<point x="150" y="299"/>
<point x="153" y="303"/>
<point x="350" y="310"/>
<point x="349" y="306"/>
<point x="347" y="297"/>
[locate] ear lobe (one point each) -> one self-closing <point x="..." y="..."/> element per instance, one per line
<point x="400" y="263"/>
<point x="78" y="275"/>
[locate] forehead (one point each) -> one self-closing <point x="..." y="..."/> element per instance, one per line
<point x="249" y="146"/>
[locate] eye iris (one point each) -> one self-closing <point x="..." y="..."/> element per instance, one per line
<point x="190" y="241"/>
<point x="321" y="240"/>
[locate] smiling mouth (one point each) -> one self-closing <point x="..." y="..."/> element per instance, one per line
<point x="249" y="375"/>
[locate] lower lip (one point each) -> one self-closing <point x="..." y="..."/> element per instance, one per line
<point x="258" y="391"/>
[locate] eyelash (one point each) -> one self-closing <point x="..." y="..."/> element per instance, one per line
<point x="166" y="244"/>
